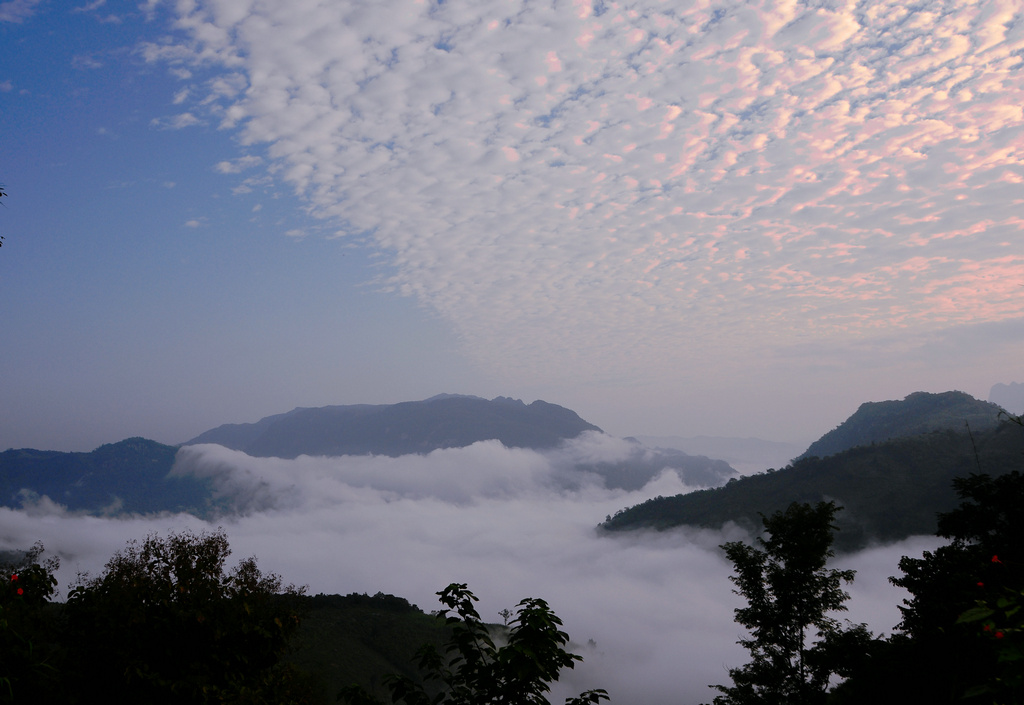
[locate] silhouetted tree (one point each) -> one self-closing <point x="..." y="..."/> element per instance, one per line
<point x="165" y="623"/>
<point x="28" y="640"/>
<point x="474" y="671"/>
<point x="938" y="656"/>
<point x="795" y="645"/>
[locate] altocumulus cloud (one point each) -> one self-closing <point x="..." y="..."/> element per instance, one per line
<point x="580" y="187"/>
<point x="658" y="607"/>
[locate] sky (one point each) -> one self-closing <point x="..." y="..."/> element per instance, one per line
<point x="676" y="218"/>
<point x="658" y="607"/>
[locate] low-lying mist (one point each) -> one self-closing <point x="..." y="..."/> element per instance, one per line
<point x="651" y="613"/>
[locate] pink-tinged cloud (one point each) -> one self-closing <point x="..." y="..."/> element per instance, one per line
<point x="790" y="153"/>
<point x="553" y="64"/>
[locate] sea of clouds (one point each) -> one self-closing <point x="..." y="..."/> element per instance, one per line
<point x="658" y="607"/>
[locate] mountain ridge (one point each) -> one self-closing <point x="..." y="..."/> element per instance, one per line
<point x="442" y="421"/>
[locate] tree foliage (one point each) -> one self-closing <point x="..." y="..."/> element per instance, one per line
<point x="989" y="522"/>
<point x="942" y="652"/>
<point x="166" y="623"/>
<point x="795" y="645"/>
<point x="983" y="563"/>
<point x="27" y="640"/>
<point x="1001" y="619"/>
<point x="473" y="670"/>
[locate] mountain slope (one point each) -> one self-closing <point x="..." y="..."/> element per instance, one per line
<point x="747" y="455"/>
<point x="889" y="490"/>
<point x="126" y="477"/>
<point x="360" y="639"/>
<point x="445" y="421"/>
<point x="918" y="413"/>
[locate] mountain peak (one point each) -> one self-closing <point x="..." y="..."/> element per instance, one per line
<point x="917" y="413"/>
<point x="442" y="396"/>
<point x="510" y="400"/>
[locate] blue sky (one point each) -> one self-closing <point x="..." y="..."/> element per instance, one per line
<point x="723" y="218"/>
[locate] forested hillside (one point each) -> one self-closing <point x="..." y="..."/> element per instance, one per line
<point x="346" y="639"/>
<point x="889" y="490"/>
<point x="126" y="477"/>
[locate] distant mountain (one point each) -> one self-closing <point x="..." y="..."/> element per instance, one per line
<point x="890" y="490"/>
<point x="643" y="464"/>
<point x="747" y="455"/>
<point x="133" y="476"/>
<point x="920" y="412"/>
<point x="444" y="421"/>
<point x="117" y="478"/>
<point x="454" y="421"/>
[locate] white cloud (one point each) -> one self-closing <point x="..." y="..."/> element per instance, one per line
<point x="17" y="10"/>
<point x="239" y="165"/>
<point x="90" y="7"/>
<point x="175" y="122"/>
<point x="86" y="63"/>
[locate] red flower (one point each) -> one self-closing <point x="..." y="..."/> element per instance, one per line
<point x="986" y="627"/>
<point x="20" y="591"/>
<point x="981" y="584"/>
<point x="999" y="635"/>
<point x="14" y="577"/>
<point x="995" y="559"/>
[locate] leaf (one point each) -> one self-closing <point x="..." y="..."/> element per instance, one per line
<point x="975" y="614"/>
